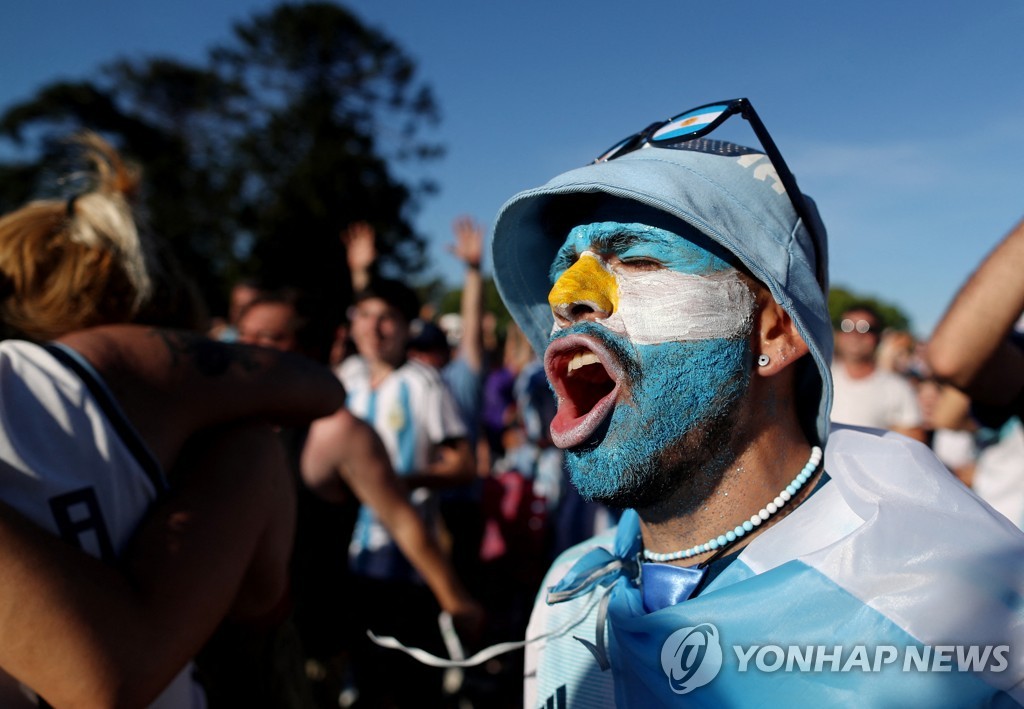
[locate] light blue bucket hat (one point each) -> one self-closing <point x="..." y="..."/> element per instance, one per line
<point x="724" y="191"/>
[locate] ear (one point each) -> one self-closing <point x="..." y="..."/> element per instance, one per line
<point x="774" y="334"/>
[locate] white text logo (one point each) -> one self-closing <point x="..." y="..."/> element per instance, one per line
<point x="862" y="658"/>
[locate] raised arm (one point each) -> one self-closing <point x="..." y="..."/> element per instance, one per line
<point x="969" y="348"/>
<point x="468" y="248"/>
<point x="172" y="384"/>
<point x="361" y="252"/>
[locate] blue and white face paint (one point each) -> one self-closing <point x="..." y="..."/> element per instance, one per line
<point x="649" y="344"/>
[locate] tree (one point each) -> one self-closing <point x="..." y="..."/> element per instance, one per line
<point x="841" y="299"/>
<point x="328" y="103"/>
<point x="255" y="161"/>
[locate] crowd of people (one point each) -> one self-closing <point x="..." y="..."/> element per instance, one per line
<point x="658" y="466"/>
<point x="399" y="509"/>
<point x="884" y="379"/>
<point x="477" y="503"/>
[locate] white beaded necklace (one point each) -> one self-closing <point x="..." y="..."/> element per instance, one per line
<point x="755" y="521"/>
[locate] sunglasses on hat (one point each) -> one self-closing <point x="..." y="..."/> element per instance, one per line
<point x="698" y="122"/>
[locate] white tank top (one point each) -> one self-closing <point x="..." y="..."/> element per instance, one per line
<point x="71" y="462"/>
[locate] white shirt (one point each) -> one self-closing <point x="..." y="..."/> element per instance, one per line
<point x="880" y="400"/>
<point x="412" y="411"/>
<point x="71" y="462"/>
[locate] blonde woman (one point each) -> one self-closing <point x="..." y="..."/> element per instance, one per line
<point x="144" y="448"/>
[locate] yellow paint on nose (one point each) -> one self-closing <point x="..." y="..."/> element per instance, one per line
<point x="586" y="282"/>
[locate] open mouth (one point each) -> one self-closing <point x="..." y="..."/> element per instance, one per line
<point x="586" y="378"/>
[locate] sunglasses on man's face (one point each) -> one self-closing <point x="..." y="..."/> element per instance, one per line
<point x="863" y="327"/>
<point x="698" y="122"/>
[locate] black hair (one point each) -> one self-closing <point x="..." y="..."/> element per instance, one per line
<point x="868" y="308"/>
<point x="313" y="329"/>
<point x="395" y="293"/>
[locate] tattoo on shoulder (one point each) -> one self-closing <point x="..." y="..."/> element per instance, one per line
<point x="210" y="358"/>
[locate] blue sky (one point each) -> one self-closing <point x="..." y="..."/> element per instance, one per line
<point x="902" y="119"/>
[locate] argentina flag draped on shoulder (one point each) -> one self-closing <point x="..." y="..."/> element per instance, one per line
<point x="891" y="584"/>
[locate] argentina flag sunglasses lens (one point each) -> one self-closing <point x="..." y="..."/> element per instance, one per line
<point x="694" y="123"/>
<point x="686" y="126"/>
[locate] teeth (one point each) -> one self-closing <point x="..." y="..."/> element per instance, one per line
<point x="581" y="360"/>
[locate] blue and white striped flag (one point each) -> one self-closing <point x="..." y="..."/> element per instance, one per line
<point x="892" y="585"/>
<point x="688" y="123"/>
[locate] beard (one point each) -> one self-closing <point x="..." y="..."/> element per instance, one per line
<point x="664" y="450"/>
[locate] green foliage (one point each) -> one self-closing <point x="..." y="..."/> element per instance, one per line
<point x="254" y="161"/>
<point x="841" y="299"/>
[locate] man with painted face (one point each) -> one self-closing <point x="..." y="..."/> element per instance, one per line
<point x="685" y="333"/>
